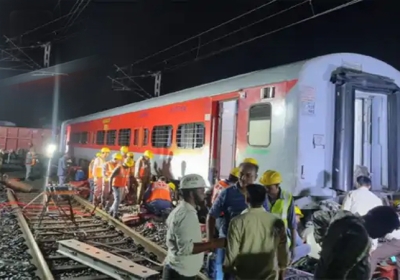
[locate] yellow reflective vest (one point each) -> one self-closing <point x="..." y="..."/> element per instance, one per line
<point x="281" y="207"/>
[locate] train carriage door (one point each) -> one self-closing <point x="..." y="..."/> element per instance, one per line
<point x="227" y="115"/>
<point x="367" y="132"/>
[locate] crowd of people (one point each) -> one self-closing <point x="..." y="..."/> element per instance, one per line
<point x="252" y="223"/>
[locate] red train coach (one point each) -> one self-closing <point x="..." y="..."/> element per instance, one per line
<point x="284" y="117"/>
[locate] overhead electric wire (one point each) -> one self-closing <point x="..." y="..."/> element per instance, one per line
<point x="265" y="34"/>
<point x="24" y="53"/>
<point x="205" y="32"/>
<point x="73" y="10"/>
<point x="77" y="15"/>
<point x="230" y="33"/>
<point x="40" y="26"/>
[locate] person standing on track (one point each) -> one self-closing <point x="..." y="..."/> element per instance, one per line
<point x="143" y="175"/>
<point x="91" y="177"/>
<point x="185" y="254"/>
<point x="108" y="168"/>
<point x="30" y="161"/>
<point x="62" y="169"/>
<point x="119" y="179"/>
<point x="232" y="202"/>
<point x="129" y="192"/>
<point x="98" y="174"/>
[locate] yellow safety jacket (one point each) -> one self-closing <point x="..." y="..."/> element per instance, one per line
<point x="281" y="207"/>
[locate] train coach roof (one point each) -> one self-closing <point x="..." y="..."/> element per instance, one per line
<point x="252" y="79"/>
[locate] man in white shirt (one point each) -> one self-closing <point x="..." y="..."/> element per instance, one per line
<point x="361" y="200"/>
<point x="185" y="255"/>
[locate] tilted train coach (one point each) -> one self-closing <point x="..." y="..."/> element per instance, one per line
<point x="313" y="121"/>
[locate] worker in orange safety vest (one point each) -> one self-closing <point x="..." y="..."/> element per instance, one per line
<point x="158" y="197"/>
<point x="223" y="184"/>
<point x="97" y="172"/>
<point x="119" y="179"/>
<point x="108" y="167"/>
<point x="143" y="174"/>
<point x="91" y="176"/>
<point x="129" y="192"/>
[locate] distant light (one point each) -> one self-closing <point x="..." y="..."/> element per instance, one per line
<point x="50" y="149"/>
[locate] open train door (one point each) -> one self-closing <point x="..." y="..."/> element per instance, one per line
<point x="367" y="129"/>
<point x="226" y="137"/>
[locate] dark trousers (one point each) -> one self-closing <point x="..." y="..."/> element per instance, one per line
<point x="170" y="274"/>
<point x="385" y="251"/>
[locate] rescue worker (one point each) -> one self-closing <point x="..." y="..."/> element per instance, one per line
<point x="143" y="174"/>
<point x="129" y="192"/>
<point x="345" y="241"/>
<point x="119" y="180"/>
<point x="281" y="204"/>
<point x="184" y="240"/>
<point x="62" y="169"/>
<point x="158" y="197"/>
<point x="256" y="241"/>
<point x="108" y="168"/>
<point x="301" y="249"/>
<point x="91" y="177"/>
<point x="124" y="150"/>
<point x="231" y="201"/>
<point x="30" y="161"/>
<point x="98" y="174"/>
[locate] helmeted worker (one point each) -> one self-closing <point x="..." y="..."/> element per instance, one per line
<point x="129" y="192"/>
<point x="223" y="184"/>
<point x="91" y="176"/>
<point x="301" y="250"/>
<point x="30" y="161"/>
<point x="97" y="172"/>
<point x="119" y="180"/>
<point x="232" y="202"/>
<point x="124" y="150"/>
<point x="281" y="204"/>
<point x="143" y="174"/>
<point x="108" y="168"/>
<point x="158" y="197"/>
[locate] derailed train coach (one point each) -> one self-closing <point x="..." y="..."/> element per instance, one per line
<point x="313" y="121"/>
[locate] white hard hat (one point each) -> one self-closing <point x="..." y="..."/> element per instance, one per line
<point x="192" y="181"/>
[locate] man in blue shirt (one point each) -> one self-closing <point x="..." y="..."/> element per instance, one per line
<point x="232" y="202"/>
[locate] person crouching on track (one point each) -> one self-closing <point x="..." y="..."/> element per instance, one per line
<point x="118" y="180"/>
<point x="108" y="168"/>
<point x="98" y="174"/>
<point x="143" y="174"/>
<point x="91" y="177"/>
<point x="158" y="197"/>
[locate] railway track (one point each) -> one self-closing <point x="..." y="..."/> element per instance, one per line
<point x="44" y="233"/>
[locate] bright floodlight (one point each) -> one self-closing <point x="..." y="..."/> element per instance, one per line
<point x="51" y="148"/>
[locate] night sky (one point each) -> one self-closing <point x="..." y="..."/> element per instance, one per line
<point x="122" y="32"/>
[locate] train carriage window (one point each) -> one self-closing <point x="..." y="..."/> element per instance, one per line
<point x="259" y="129"/>
<point x="84" y="138"/>
<point x="75" y="137"/>
<point x="111" y="136"/>
<point x="100" y="137"/>
<point x="145" y="137"/>
<point x="136" y="137"/>
<point x="161" y="136"/>
<point x="124" y="137"/>
<point x="190" y="136"/>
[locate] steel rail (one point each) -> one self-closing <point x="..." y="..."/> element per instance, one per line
<point x="150" y="246"/>
<point x="43" y="270"/>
